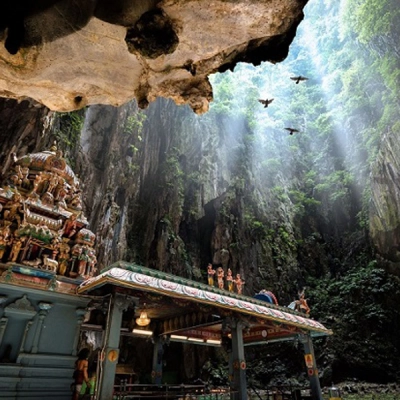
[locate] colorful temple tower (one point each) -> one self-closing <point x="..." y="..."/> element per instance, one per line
<point x="46" y="251"/>
<point x="42" y="224"/>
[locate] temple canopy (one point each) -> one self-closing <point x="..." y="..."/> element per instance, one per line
<point x="187" y="310"/>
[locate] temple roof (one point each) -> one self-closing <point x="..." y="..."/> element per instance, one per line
<point x="186" y="296"/>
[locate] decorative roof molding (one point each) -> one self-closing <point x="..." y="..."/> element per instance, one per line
<point x="136" y="277"/>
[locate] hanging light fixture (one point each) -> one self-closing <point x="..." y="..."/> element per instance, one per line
<point x="143" y="319"/>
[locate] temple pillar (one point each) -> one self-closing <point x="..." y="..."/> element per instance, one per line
<point x="44" y="310"/>
<point x="27" y="327"/>
<point x="311" y="365"/>
<point x="110" y="352"/>
<point x="80" y="314"/>
<point x="3" y="326"/>
<point x="158" y="352"/>
<point x="238" y="384"/>
<point x="3" y="320"/>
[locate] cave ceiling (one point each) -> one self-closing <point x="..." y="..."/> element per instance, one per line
<point x="67" y="54"/>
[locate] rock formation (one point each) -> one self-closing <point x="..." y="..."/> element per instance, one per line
<point x="384" y="206"/>
<point x="67" y="57"/>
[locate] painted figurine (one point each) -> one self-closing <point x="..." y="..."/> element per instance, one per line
<point x="220" y="277"/>
<point x="239" y="284"/>
<point x="3" y="245"/>
<point x="83" y="258"/>
<point x="229" y="280"/>
<point x="302" y="303"/>
<point x="211" y="273"/>
<point x="91" y="264"/>
<point x="13" y="208"/>
<point x="64" y="256"/>
<point x="16" y="248"/>
<point x="70" y="226"/>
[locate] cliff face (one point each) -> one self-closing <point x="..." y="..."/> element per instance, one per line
<point x="174" y="191"/>
<point x="67" y="56"/>
<point x="166" y="196"/>
<point x="175" y="198"/>
<point x="385" y="196"/>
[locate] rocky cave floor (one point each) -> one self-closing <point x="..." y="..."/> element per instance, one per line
<point x="364" y="390"/>
<point x="350" y="390"/>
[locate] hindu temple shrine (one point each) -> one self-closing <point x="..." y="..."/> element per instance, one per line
<point x="54" y="302"/>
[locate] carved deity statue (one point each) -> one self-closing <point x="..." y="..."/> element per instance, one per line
<point x="83" y="258"/>
<point x="211" y="273"/>
<point x="70" y="226"/>
<point x="220" y="277"/>
<point x="91" y="264"/>
<point x="229" y="280"/>
<point x="13" y="208"/>
<point x="75" y="200"/>
<point x="39" y="178"/>
<point x="23" y="173"/>
<point x="52" y="183"/>
<point x="239" y="284"/>
<point x="16" y="248"/>
<point x="302" y="305"/>
<point x="4" y="242"/>
<point x="63" y="256"/>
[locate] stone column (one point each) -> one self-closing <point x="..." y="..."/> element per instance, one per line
<point x="3" y="320"/>
<point x="44" y="310"/>
<point x="27" y="327"/>
<point x="158" y="352"/>
<point x="80" y="316"/>
<point x="239" y="384"/>
<point x="110" y="352"/>
<point x="3" y="326"/>
<point x="311" y="365"/>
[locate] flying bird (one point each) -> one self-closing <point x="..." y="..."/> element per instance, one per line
<point x="266" y="102"/>
<point x="298" y="78"/>
<point x="292" y="130"/>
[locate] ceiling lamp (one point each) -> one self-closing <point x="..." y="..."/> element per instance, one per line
<point x="143" y="320"/>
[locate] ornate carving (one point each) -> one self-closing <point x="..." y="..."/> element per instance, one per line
<point x="21" y="304"/>
<point x="41" y="219"/>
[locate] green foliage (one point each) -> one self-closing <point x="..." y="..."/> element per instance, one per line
<point x="134" y="124"/>
<point x="173" y="178"/>
<point x="68" y="128"/>
<point x="256" y="227"/>
<point x="365" y="297"/>
<point x="336" y="185"/>
<point x="302" y="202"/>
<point x="233" y="100"/>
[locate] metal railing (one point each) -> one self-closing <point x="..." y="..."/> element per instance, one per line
<point x="281" y="392"/>
<point x="127" y="391"/>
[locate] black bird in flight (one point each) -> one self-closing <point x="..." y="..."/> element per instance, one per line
<point x="292" y="130"/>
<point x="298" y="78"/>
<point x="266" y="102"/>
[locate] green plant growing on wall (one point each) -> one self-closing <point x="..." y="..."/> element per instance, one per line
<point x="68" y="128"/>
<point x="134" y="124"/>
<point x="302" y="202"/>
